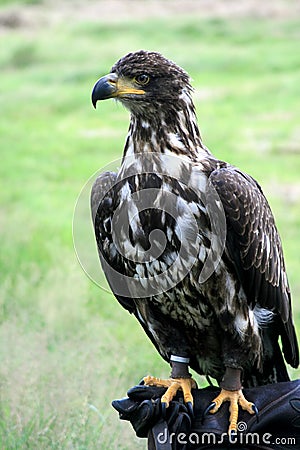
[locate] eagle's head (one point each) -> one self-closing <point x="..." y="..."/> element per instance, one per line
<point x="144" y="82"/>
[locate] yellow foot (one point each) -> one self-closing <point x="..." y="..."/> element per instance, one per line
<point x="236" y="399"/>
<point x="173" y="385"/>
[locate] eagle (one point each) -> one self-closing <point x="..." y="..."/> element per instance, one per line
<point x="189" y="244"/>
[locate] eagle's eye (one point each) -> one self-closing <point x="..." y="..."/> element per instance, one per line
<point x="142" y="79"/>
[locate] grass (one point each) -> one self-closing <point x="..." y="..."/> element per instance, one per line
<point x="67" y="348"/>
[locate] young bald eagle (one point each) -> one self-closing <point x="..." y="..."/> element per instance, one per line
<point x="189" y="244"/>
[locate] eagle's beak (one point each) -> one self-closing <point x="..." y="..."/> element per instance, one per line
<point x="111" y="86"/>
<point x="105" y="88"/>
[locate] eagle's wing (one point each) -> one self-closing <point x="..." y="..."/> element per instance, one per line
<point x="102" y="209"/>
<point x="254" y="247"/>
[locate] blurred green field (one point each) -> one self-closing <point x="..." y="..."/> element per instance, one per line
<point x="66" y="347"/>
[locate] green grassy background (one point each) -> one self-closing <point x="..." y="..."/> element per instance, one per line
<point x="66" y="347"/>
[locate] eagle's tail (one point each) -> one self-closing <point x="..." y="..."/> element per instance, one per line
<point x="273" y="370"/>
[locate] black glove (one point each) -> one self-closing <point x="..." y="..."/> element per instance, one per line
<point x="278" y="427"/>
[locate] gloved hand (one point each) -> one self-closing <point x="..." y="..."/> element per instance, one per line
<point x="278" y="427"/>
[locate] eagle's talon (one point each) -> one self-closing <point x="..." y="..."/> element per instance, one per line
<point x="163" y="410"/>
<point x="190" y="409"/>
<point x="255" y="409"/>
<point x="173" y="385"/>
<point x="207" y="410"/>
<point x="236" y="399"/>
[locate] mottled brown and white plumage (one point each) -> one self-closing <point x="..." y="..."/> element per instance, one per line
<point x="235" y="317"/>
